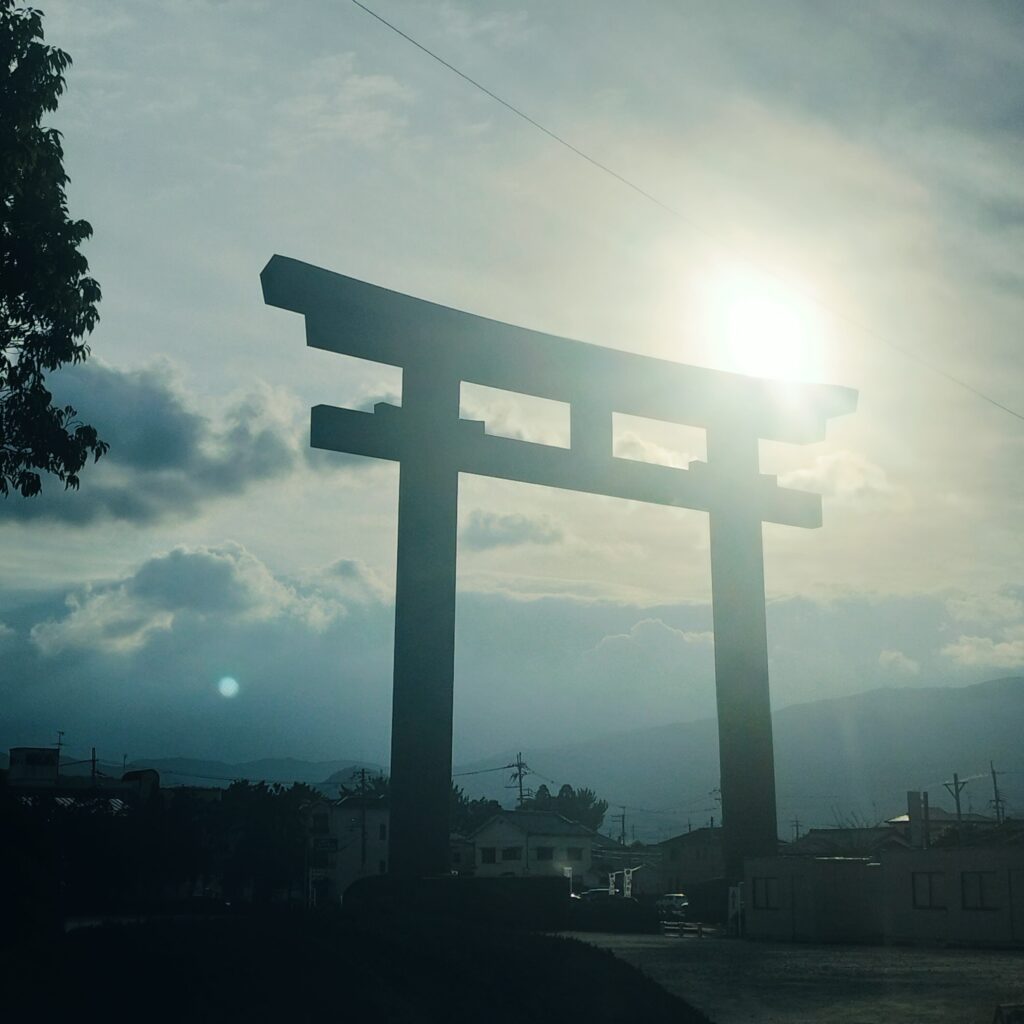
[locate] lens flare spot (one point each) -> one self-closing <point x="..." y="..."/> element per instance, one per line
<point x="228" y="687"/>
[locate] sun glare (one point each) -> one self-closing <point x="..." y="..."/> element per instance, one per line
<point x="761" y="326"/>
<point x="228" y="687"/>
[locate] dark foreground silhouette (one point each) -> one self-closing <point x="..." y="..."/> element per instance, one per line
<point x="299" y="967"/>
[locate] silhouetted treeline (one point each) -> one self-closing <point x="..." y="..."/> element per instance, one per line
<point x="580" y="805"/>
<point x="61" y="856"/>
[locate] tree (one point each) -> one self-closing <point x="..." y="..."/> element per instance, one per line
<point x="47" y="300"/>
<point x="580" y="805"/>
<point x="466" y="815"/>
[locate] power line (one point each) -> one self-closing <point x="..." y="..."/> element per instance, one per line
<point x="675" y="212"/>
<point x="482" y="771"/>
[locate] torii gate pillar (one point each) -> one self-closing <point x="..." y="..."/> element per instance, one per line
<point x="424" y="668"/>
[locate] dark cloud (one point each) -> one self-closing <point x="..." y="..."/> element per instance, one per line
<point x="165" y="459"/>
<point x="486" y="530"/>
<point x="203" y="581"/>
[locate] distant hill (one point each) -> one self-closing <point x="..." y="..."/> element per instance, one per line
<point x="841" y="760"/>
<point x="185" y="771"/>
<point x="844" y="759"/>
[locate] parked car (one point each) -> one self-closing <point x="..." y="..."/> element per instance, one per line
<point x="672" y="906"/>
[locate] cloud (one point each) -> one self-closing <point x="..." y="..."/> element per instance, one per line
<point x="334" y="103"/>
<point x="653" y="634"/>
<point x="630" y="446"/>
<point x="165" y="460"/>
<point x="842" y="474"/>
<point x="1001" y="606"/>
<point x="354" y="580"/>
<point x="898" y="662"/>
<point x="1003" y="651"/>
<point x="501" y="28"/>
<point x="223" y="585"/>
<point x="485" y="530"/>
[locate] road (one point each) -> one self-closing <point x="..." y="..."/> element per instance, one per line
<point x="736" y="982"/>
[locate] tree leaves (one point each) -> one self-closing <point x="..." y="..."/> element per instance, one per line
<point x="47" y="300"/>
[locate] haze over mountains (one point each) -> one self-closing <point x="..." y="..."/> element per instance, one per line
<point x="839" y="760"/>
<point x="843" y="760"/>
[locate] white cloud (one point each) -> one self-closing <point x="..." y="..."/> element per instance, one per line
<point x="630" y="446"/>
<point x="899" y="663"/>
<point x="653" y="634"/>
<point x="1004" y="651"/>
<point x="841" y="474"/>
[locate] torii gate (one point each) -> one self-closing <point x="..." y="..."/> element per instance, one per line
<point x="438" y="348"/>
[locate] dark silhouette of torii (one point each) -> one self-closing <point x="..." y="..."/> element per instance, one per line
<point x="438" y="348"/>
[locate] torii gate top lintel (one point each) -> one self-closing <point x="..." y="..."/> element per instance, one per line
<point x="359" y="319"/>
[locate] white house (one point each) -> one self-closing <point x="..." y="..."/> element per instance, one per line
<point x="534" y="843"/>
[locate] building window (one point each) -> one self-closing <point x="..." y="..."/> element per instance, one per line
<point x="382" y="832"/>
<point x="575" y="852"/>
<point x="456" y="857"/>
<point x="319" y="824"/>
<point x="512" y="853"/>
<point x="487" y="855"/>
<point x="929" y="890"/>
<point x="978" y="889"/>
<point x="545" y="853"/>
<point x="766" y="893"/>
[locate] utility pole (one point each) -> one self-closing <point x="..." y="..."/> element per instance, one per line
<point x="92" y="770"/>
<point x="60" y="744"/>
<point x="997" y="801"/>
<point x="926" y="818"/>
<point x="520" y="770"/>
<point x="362" y="817"/>
<point x="621" y="819"/>
<point x="796" y="829"/>
<point x="954" y="789"/>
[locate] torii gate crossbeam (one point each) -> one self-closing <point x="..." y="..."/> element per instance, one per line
<point x="438" y="348"/>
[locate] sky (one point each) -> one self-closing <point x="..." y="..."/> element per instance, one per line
<point x="839" y="200"/>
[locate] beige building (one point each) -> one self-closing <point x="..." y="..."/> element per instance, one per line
<point x="534" y="843"/>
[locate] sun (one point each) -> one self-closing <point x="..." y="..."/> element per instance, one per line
<point x="762" y="326"/>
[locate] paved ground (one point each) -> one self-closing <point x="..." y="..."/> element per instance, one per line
<point x="737" y="982"/>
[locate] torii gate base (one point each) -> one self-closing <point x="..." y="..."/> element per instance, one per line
<point x="438" y="348"/>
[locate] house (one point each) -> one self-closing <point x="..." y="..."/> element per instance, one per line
<point x="461" y="854"/>
<point x="866" y="841"/>
<point x="792" y="898"/>
<point x="691" y="860"/>
<point x="963" y="890"/>
<point x="534" y="843"/>
<point x="36" y="772"/>
<point x="967" y="891"/>
<point x="347" y="839"/>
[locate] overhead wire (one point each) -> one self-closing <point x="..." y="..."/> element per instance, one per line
<point x="838" y="314"/>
